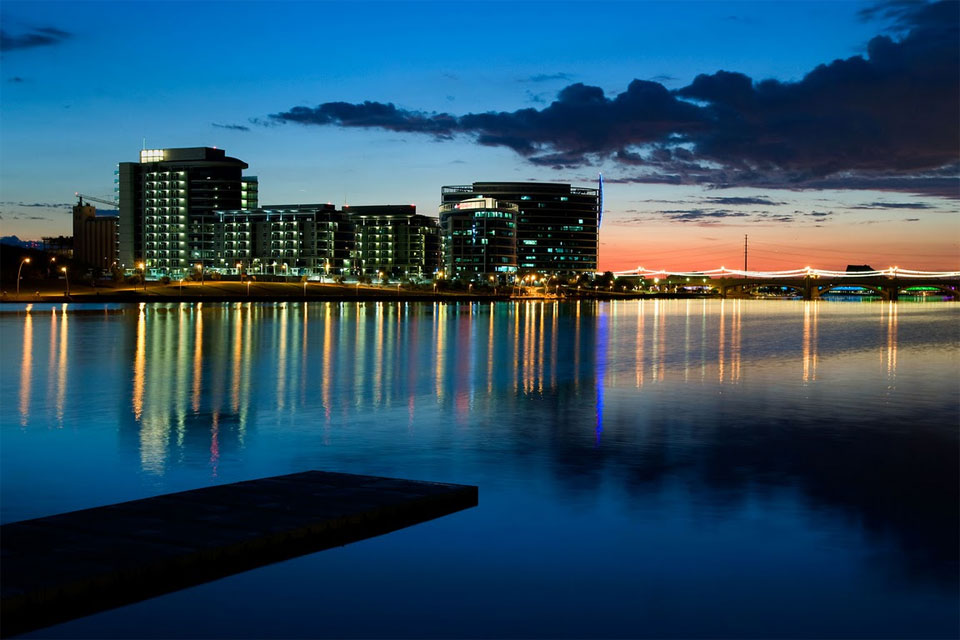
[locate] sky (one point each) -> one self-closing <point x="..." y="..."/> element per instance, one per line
<point x="826" y="132"/>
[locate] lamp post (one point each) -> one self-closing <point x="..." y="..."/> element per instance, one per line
<point x="143" y="275"/>
<point x="304" y="288"/>
<point x="249" y="278"/>
<point x="398" y="289"/>
<point x="22" y="262"/>
<point x="66" y="292"/>
<point x="200" y="269"/>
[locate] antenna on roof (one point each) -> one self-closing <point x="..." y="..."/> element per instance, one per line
<point x="600" y="202"/>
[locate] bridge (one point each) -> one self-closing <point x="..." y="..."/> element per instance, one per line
<point x="809" y="283"/>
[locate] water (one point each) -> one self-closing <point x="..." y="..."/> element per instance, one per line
<point x="655" y="468"/>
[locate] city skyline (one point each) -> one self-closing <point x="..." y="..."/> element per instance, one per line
<point x="384" y="109"/>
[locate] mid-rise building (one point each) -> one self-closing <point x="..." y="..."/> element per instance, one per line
<point x="297" y="239"/>
<point x="557" y="224"/>
<point x="394" y="240"/>
<point x="94" y="237"/>
<point x="479" y="238"/>
<point x="168" y="202"/>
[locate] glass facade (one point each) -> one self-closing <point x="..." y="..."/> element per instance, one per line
<point x="479" y="238"/>
<point x="557" y="224"/>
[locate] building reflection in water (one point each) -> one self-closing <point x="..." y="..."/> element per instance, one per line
<point x="26" y="366"/>
<point x="891" y="350"/>
<point x="193" y="367"/>
<point x="62" y="365"/>
<point x="810" y="310"/>
<point x="52" y="356"/>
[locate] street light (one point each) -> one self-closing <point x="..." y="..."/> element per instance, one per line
<point x="304" y="288"/>
<point x="200" y="269"/>
<point x="67" y="276"/>
<point x="22" y="262"/>
<point x="143" y="275"/>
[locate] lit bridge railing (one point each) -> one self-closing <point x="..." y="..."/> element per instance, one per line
<point x="723" y="272"/>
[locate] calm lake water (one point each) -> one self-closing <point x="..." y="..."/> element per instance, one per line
<point x="646" y="468"/>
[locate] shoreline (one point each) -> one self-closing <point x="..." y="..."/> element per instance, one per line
<point x="295" y="292"/>
<point x="231" y="292"/>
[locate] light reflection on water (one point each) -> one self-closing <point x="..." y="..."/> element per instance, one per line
<point x="790" y="450"/>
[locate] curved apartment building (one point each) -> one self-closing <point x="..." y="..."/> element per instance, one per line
<point x="480" y="238"/>
<point x="557" y="224"/>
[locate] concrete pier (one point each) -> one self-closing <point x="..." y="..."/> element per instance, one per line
<point x="65" y="566"/>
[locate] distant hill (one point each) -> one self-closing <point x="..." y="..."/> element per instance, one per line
<point x="14" y="241"/>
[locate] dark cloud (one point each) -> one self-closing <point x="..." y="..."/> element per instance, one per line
<point x="912" y="220"/>
<point x="547" y="77"/>
<point x="734" y="201"/>
<point x="371" y="114"/>
<point x="536" y="98"/>
<point x="774" y="217"/>
<point x="232" y="127"/>
<point x="16" y="80"/>
<point x="894" y="205"/>
<point x="852" y="123"/>
<point x="820" y="214"/>
<point x="663" y="78"/>
<point x="39" y="37"/>
<point x="701" y="215"/>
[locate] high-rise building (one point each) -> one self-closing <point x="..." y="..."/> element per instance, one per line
<point x="167" y="205"/>
<point x="557" y="224"/>
<point x="479" y="238"/>
<point x="394" y="240"/>
<point x="94" y="236"/>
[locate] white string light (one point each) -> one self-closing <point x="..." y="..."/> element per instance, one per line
<point x="891" y="272"/>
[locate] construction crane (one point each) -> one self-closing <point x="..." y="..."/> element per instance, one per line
<point x="80" y="197"/>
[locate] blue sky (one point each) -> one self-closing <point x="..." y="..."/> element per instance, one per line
<point x="83" y="84"/>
